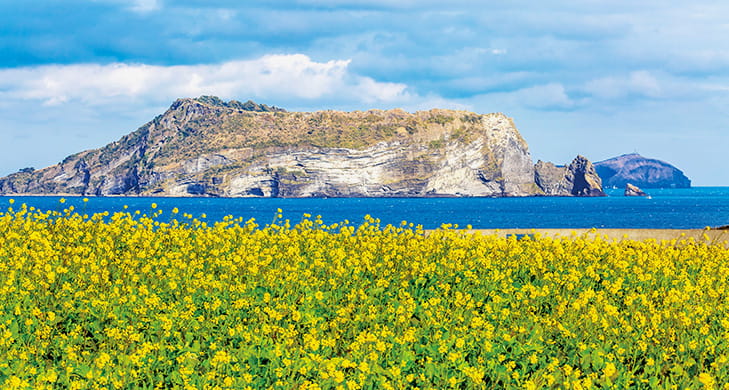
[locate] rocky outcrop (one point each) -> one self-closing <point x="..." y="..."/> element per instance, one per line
<point x="247" y="106"/>
<point x="584" y="179"/>
<point x="643" y="172"/>
<point x="631" y="190"/>
<point x="577" y="179"/>
<point x="551" y="179"/>
<point x="207" y="147"/>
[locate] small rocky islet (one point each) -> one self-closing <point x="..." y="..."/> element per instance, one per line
<point x="208" y="147"/>
<point x="632" y="190"/>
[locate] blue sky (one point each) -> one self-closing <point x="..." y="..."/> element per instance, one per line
<point x="598" y="78"/>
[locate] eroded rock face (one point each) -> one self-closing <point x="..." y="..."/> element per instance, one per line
<point x="551" y="179"/>
<point x="631" y="190"/>
<point x="205" y="147"/>
<point x="577" y="179"/>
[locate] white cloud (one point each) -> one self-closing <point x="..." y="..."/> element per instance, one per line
<point x="144" y="6"/>
<point x="139" y="6"/>
<point x="273" y="76"/>
<point x="644" y="83"/>
<point x="641" y="83"/>
<point x="552" y="95"/>
<point x="367" y="3"/>
<point x="544" y="98"/>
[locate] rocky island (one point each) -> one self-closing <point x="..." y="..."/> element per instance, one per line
<point x="618" y="172"/>
<point x="208" y="147"/>
<point x="631" y="190"/>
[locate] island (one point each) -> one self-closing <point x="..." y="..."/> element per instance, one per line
<point x="208" y="147"/>
<point x="618" y="172"/>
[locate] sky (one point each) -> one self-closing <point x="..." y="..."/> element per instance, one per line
<point x="596" y="78"/>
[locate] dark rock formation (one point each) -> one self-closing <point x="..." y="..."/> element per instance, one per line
<point x="631" y="190"/>
<point x="585" y="181"/>
<point x="578" y="179"/>
<point x="643" y="172"/>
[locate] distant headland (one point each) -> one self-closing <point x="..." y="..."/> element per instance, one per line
<point x="640" y="171"/>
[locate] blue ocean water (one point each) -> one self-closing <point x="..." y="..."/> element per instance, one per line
<point x="666" y="209"/>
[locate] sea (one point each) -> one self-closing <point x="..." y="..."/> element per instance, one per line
<point x="691" y="208"/>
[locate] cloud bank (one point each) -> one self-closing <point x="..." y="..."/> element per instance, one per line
<point x="284" y="77"/>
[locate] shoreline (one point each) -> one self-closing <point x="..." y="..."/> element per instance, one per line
<point x="711" y="236"/>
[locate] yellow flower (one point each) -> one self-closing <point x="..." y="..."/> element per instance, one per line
<point x="460" y="343"/>
<point x="102" y="360"/>
<point x="609" y="371"/>
<point x="706" y="380"/>
<point x="338" y="376"/>
<point x="348" y="305"/>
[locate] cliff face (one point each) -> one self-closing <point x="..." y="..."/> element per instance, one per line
<point x="577" y="179"/>
<point x="643" y="172"/>
<point x="206" y="147"/>
<point x="551" y="179"/>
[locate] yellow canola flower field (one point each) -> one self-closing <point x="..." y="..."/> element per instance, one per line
<point x="129" y="301"/>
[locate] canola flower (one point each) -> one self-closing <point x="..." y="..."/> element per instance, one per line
<point x="129" y="300"/>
